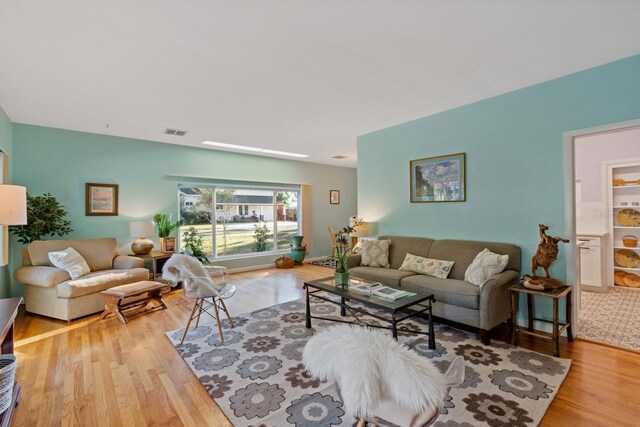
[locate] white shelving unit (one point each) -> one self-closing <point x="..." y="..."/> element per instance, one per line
<point x="619" y="198"/>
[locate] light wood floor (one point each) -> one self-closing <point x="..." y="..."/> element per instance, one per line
<point x="103" y="373"/>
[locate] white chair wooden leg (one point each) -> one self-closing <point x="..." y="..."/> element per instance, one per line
<point x="224" y="307"/>
<point x="201" y="301"/>
<point x="189" y="321"/>
<point x="215" y="311"/>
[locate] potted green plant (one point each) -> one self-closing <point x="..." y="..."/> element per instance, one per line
<point x="45" y="218"/>
<point x="193" y="245"/>
<point x="343" y="250"/>
<point x="165" y="228"/>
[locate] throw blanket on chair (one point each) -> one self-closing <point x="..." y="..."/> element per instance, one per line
<point x="193" y="275"/>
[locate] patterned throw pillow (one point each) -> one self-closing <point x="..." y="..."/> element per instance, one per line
<point x="428" y="266"/>
<point x="375" y="253"/>
<point x="485" y="265"/>
<point x="70" y="261"/>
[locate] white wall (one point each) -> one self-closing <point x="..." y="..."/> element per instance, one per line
<point x="590" y="153"/>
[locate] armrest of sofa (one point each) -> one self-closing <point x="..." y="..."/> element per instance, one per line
<point x="41" y="276"/>
<point x="495" y="301"/>
<point x="353" y="261"/>
<point x="126" y="262"/>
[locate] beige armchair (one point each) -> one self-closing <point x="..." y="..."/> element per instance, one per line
<point x="50" y="291"/>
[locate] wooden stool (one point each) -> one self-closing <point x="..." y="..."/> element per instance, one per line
<point x="558" y="328"/>
<point x="135" y="295"/>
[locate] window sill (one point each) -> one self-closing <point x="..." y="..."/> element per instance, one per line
<point x="252" y="255"/>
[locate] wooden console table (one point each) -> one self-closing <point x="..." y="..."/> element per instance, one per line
<point x="558" y="328"/>
<point x="8" y="312"/>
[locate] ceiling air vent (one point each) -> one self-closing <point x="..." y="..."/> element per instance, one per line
<point x="339" y="157"/>
<point x="175" y="132"/>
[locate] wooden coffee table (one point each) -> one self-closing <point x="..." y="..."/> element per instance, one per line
<point x="399" y="310"/>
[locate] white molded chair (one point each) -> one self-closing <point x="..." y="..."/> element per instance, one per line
<point x="379" y="377"/>
<point x="209" y="286"/>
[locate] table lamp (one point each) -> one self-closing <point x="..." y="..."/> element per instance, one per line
<point x="13" y="211"/>
<point x="361" y="230"/>
<point x="141" y="229"/>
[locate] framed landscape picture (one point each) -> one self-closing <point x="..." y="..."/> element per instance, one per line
<point x="101" y="199"/>
<point x="438" y="179"/>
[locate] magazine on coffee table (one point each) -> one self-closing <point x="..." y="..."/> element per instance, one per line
<point x="379" y="290"/>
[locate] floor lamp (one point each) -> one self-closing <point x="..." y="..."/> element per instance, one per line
<point x="13" y="211"/>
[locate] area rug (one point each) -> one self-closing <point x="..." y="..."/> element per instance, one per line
<point x="257" y="377"/>
<point x="327" y="262"/>
<point x="611" y="316"/>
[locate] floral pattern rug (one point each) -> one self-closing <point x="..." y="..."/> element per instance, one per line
<point x="257" y="377"/>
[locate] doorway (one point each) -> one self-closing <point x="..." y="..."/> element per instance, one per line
<point x="604" y="219"/>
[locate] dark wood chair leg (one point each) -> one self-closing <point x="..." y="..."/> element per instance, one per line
<point x="485" y="336"/>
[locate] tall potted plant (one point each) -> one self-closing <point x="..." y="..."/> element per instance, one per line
<point x="343" y="250"/>
<point x="45" y="218"/>
<point x="165" y="228"/>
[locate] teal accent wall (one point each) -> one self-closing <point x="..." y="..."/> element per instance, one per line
<point x="62" y="161"/>
<point x="6" y="145"/>
<point x="515" y="160"/>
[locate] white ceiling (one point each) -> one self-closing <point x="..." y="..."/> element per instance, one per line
<point x="302" y="76"/>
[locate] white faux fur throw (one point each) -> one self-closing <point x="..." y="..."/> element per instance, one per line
<point x="369" y="365"/>
<point x="194" y="277"/>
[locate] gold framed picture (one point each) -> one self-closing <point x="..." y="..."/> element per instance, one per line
<point x="438" y="179"/>
<point x="101" y="199"/>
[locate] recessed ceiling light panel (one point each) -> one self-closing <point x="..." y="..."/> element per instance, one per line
<point x="253" y="149"/>
<point x="232" y="146"/>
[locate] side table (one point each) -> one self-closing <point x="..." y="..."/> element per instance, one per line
<point x="8" y="312"/>
<point x="157" y="261"/>
<point x="558" y="327"/>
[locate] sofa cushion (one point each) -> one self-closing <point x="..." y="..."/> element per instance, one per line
<point x="430" y="267"/>
<point x="448" y="291"/>
<point x="99" y="281"/>
<point x="375" y="253"/>
<point x="99" y="253"/>
<point x="485" y="265"/>
<point x="70" y="261"/>
<point x="463" y="252"/>
<point x="400" y="246"/>
<point x="386" y="276"/>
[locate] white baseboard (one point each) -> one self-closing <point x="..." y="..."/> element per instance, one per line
<point x="271" y="265"/>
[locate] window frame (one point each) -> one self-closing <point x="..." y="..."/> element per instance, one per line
<point x="214" y="205"/>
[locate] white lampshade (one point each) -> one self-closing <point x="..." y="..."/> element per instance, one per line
<point x="13" y="205"/>
<point x="141" y="228"/>
<point x="361" y="230"/>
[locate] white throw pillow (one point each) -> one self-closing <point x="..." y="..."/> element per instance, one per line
<point x="375" y="253"/>
<point x="70" y="261"/>
<point x="430" y="267"/>
<point x="485" y="265"/>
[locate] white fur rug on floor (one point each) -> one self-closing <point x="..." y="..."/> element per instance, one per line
<point x="257" y="377"/>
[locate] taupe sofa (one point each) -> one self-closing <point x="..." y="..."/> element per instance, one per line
<point x="456" y="300"/>
<point x="51" y="292"/>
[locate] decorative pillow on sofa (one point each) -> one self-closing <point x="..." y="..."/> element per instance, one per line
<point x="375" y="253"/>
<point x="430" y="267"/>
<point x="70" y="261"/>
<point x="485" y="265"/>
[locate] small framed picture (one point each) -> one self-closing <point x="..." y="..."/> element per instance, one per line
<point x="101" y="199"/>
<point x="438" y="179"/>
<point x="334" y="197"/>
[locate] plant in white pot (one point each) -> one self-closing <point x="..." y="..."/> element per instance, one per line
<point x="343" y="250"/>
